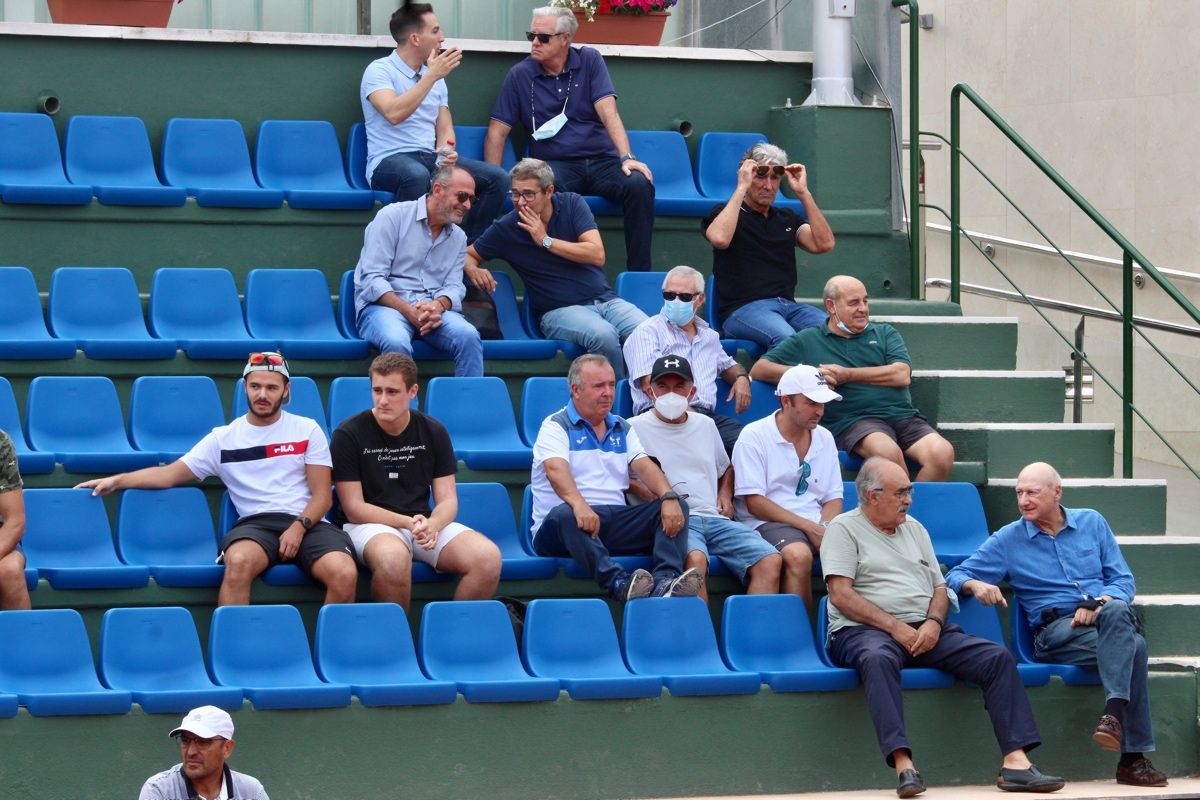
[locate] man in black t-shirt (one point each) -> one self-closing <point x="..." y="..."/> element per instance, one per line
<point x="754" y="243"/>
<point x="385" y="462"/>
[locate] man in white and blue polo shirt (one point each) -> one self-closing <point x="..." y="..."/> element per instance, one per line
<point x="581" y="463"/>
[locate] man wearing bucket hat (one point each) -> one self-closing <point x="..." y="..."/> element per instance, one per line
<point x="788" y="483"/>
<point x="276" y="466"/>
<point x="205" y="743"/>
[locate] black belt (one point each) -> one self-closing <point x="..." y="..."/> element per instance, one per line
<point x="1049" y="615"/>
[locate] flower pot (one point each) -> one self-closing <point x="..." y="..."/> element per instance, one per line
<point x="139" y="13"/>
<point x="644" y="29"/>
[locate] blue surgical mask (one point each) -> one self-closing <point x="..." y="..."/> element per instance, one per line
<point x="841" y="326"/>
<point x="678" y="311"/>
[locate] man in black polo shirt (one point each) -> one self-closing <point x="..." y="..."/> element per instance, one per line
<point x="754" y="243"/>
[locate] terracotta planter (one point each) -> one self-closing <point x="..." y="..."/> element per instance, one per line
<point x="644" y="29"/>
<point x="138" y="13"/>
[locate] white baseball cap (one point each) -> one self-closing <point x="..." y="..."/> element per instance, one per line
<point x="808" y="381"/>
<point x="207" y="722"/>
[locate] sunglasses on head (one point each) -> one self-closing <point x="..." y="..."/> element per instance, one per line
<point x="686" y="297"/>
<point x="273" y="359"/>
<point x="763" y="171"/>
<point x="544" y="38"/>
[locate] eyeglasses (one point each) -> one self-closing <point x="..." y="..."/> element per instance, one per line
<point x="899" y="494"/>
<point x="270" y="359"/>
<point x="523" y="194"/>
<point x="686" y="297"/>
<point x="465" y="197"/>
<point x="544" y="38"/>
<point x="762" y="172"/>
<point x="186" y="741"/>
<point x="805" y="472"/>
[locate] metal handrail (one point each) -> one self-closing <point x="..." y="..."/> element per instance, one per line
<point x="914" y="135"/>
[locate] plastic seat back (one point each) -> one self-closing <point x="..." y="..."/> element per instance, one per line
<point x="953" y="515"/>
<point x="31" y="163"/>
<point x="95" y="303"/>
<point x="670" y="636"/>
<point x="200" y="308"/>
<point x="763" y="401"/>
<point x="541" y="397"/>
<point x="30" y="462"/>
<point x="304" y="159"/>
<point x="76" y="414"/>
<point x="167" y="527"/>
<point x="572" y="638"/>
<point x="643" y="289"/>
<point x="469" y="641"/>
<point x="67" y="528"/>
<point x="667" y="155"/>
<point x="1023" y="646"/>
<point x="485" y="507"/>
<point x="305" y="400"/>
<point x="170" y="413"/>
<point x="211" y="160"/>
<point x="112" y="154"/>
<point x="23" y="331"/>
<point x="348" y="395"/>
<point x="484" y="441"/>
<point x="346" y="320"/>
<point x="356" y="162"/>
<point x="768" y="633"/>
<point x="293" y="307"/>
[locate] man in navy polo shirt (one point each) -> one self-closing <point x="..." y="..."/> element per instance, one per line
<point x="565" y="100"/>
<point x="550" y="239"/>
<point x="581" y="463"/>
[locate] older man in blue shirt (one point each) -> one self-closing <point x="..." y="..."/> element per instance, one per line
<point x="409" y="280"/>
<point x="1073" y="583"/>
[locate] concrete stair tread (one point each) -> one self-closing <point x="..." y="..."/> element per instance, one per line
<point x="1167" y="600"/>
<point x="965" y="320"/>
<point x="988" y="373"/>
<point x="1179" y="789"/>
<point x="1186" y="662"/>
<point x="1164" y="539"/>
<point x="1029" y="426"/>
<point x="1067" y="482"/>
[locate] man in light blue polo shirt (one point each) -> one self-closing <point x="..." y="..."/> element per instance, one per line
<point x="581" y="463"/>
<point x="407" y="115"/>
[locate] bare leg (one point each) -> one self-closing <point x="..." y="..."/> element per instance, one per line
<point x="244" y="560"/>
<point x="338" y="573"/>
<point x="390" y="562"/>
<point x="764" y="576"/>
<point x="884" y="446"/>
<point x="14" y="594"/>
<point x="698" y="561"/>
<point x="935" y="455"/>
<point x="797" y="571"/>
<point x="477" y="559"/>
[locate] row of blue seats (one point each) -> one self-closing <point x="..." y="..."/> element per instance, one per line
<point x="152" y="656"/>
<point x="168" y="534"/>
<point x="297" y="160"/>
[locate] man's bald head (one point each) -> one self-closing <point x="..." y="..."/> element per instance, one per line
<point x="1041" y="474"/>
<point x="847" y="304"/>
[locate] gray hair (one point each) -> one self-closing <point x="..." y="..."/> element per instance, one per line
<point x="565" y="19"/>
<point x="831" y="291"/>
<point x="573" y="374"/>
<point x="533" y="169"/>
<point x="684" y="271"/>
<point x="767" y="153"/>
<point x="443" y="175"/>
<point x="869" y="478"/>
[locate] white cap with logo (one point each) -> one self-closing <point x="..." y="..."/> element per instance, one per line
<point x="207" y="722"/>
<point x="808" y="381"/>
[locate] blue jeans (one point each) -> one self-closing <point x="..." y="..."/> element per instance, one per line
<point x="1114" y="646"/>
<point x="624" y="530"/>
<point x="407" y="175"/>
<point x="768" y="322"/>
<point x="738" y="547"/>
<point x="600" y="326"/>
<point x="388" y="330"/>
<point x="635" y="195"/>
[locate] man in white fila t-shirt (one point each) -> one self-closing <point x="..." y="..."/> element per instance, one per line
<point x="277" y="469"/>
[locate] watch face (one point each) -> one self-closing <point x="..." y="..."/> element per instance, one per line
<point x="546" y="242"/>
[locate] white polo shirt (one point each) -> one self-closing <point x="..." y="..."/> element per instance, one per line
<point x="765" y="463"/>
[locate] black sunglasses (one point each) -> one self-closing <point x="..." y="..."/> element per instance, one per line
<point x="686" y="297"/>
<point x="544" y="38"/>
<point x="465" y="197"/>
<point x="762" y="172"/>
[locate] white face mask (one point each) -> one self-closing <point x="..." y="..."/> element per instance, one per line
<point x="672" y="406"/>
<point x="550" y="127"/>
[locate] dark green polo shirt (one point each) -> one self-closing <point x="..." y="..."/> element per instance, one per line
<point x="877" y="346"/>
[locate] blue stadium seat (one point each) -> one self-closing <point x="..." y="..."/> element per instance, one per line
<point x="673" y="637"/>
<point x="763" y="401"/>
<point x="770" y="634"/>
<point x="69" y="542"/>
<point x="485" y="507"/>
<point x="718" y="156"/>
<point x="154" y="654"/>
<point x="470" y="140"/>
<point x="910" y="677"/>
<point x="23" y="333"/>
<point x="574" y="642"/>
<point x="356" y="163"/>
<point x="168" y="414"/>
<point x="293" y="307"/>
<point x="170" y="531"/>
<point x="348" y="395"/>
<point x="623" y="401"/>
<point x="516" y="344"/>
<point x="47" y="663"/>
<point x="29" y="462"/>
<point x="304" y="159"/>
<point x="983" y="621"/>
<point x="569" y="349"/>
<point x="1022" y="645"/>
<point x="79" y="419"/>
<point x="199" y="307"/>
<point x="541" y="397"/>
<point x="346" y="321"/>
<point x="99" y="309"/>
<point x="952" y="512"/>
<point x="714" y="321"/>
<point x="264" y="650"/>
<point x="31" y="166"/>
<point x="8" y="705"/>
<point x="112" y="155"/>
<point x="471" y="642"/>
<point x="675" y="191"/>
<point x="643" y="289"/>
<point x="278" y="575"/>
<point x="210" y="159"/>
<point x="570" y="566"/>
<point x="369" y="646"/>
<point x="305" y="400"/>
<point x="483" y="441"/>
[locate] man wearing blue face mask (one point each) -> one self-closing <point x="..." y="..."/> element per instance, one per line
<point x="565" y="100"/>
<point x="868" y="363"/>
<point x="678" y="330"/>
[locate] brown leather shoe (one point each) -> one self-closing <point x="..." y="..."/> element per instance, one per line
<point x="1108" y="733"/>
<point x="1141" y="773"/>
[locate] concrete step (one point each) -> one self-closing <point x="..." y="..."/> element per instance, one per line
<point x="1132" y="507"/>
<point x="957" y="342"/>
<point x="885" y="308"/>
<point x="1171" y="627"/>
<point x="994" y="395"/>
<point x="1179" y="789"/>
<point x="1076" y="450"/>
<point x="1163" y="564"/>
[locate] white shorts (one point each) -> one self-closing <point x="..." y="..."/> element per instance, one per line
<point x="365" y="532"/>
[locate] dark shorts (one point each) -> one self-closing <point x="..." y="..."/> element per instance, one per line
<point x="905" y="431"/>
<point x="265" y="529"/>
<point x="779" y="535"/>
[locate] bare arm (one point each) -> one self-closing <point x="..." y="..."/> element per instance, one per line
<point x="358" y="511"/>
<point x="720" y="231"/>
<point x="768" y="371"/>
<point x="606" y="110"/>
<point x="320" y="499"/>
<point x="895" y="375"/>
<point x="493" y="142"/>
<point x="163" y="477"/>
<point x="12" y="512"/>
<point x="672" y="511"/>
<point x="725" y="494"/>
<point x="445" y="502"/>
<point x="396" y="108"/>
<point x="816" y="236"/>
<point x="444" y="127"/>
<point x="558" y="472"/>
<point x="587" y="249"/>
<point x="987" y="593"/>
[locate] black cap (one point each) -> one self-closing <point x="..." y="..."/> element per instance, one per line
<point x="671" y="365"/>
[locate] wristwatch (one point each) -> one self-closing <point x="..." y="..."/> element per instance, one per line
<point x="547" y="241"/>
<point x="628" y="157"/>
<point x="304" y="521"/>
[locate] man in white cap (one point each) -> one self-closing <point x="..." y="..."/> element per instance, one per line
<point x="788" y="483"/>
<point x="205" y="742"/>
<point x="277" y="469"/>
